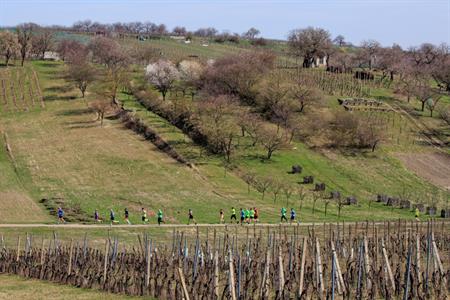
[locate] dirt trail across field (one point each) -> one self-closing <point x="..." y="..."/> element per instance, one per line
<point x="105" y="226"/>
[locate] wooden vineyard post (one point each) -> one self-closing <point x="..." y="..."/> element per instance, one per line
<point x="366" y="260"/>
<point x="302" y="267"/>
<point x="438" y="259"/>
<point x="147" y="269"/>
<point x="232" y="283"/>
<point x="105" y="265"/>
<point x="266" y="281"/>
<point x="341" y="284"/>
<point x="18" y="248"/>
<point x="319" y="267"/>
<point x="388" y="267"/>
<point x="280" y="271"/>
<point x="419" y="277"/>
<point x="183" y="284"/>
<point x="216" y="272"/>
<point x="41" y="273"/>
<point x="69" y="267"/>
<point x="407" y="274"/>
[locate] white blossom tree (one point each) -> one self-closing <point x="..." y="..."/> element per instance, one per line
<point x="190" y="72"/>
<point x="162" y="74"/>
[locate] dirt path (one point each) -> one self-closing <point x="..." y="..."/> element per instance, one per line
<point x="105" y="226"/>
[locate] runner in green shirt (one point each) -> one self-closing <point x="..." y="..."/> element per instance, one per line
<point x="160" y="217"/>
<point x="283" y="214"/>
<point x="247" y="215"/>
<point x="252" y="215"/>
<point x="233" y="214"/>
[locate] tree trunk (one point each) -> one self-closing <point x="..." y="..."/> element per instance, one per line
<point x="423" y="105"/>
<point x="164" y="95"/>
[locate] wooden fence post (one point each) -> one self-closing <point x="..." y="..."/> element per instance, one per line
<point x="105" y="265"/>
<point x="216" y="271"/>
<point x="280" y="271"/>
<point x="147" y="269"/>
<point x="69" y="268"/>
<point x="266" y="281"/>
<point x="302" y="267"/>
<point x="319" y="267"/>
<point x="18" y="248"/>
<point x="388" y="267"/>
<point x="183" y="284"/>
<point x="232" y="284"/>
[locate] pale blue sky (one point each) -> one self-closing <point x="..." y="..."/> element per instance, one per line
<point x="405" y="22"/>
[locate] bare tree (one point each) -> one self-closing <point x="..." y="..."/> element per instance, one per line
<point x="305" y="96"/>
<point x="179" y="31"/>
<point x="115" y="59"/>
<point x="315" y="197"/>
<point x="272" y="140"/>
<point x="42" y="41"/>
<point x="81" y="73"/>
<point x="143" y="54"/>
<point x="249" y="179"/>
<point x="423" y="92"/>
<point x="301" y="195"/>
<point x="339" y="40"/>
<point x="276" y="187"/>
<point x="369" y="50"/>
<point x="162" y="74"/>
<point x="101" y="108"/>
<point x="24" y="35"/>
<point x="263" y="184"/>
<point x="68" y="47"/>
<point x="9" y="45"/>
<point x="288" y="191"/>
<point x="441" y="68"/>
<point x="238" y="74"/>
<point x="444" y="114"/>
<point x="250" y="123"/>
<point x="218" y="125"/>
<point x="309" y="43"/>
<point x="251" y="34"/>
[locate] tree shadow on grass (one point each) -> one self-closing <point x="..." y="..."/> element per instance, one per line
<point x="75" y="112"/>
<point x="59" y="89"/>
<point x="57" y="97"/>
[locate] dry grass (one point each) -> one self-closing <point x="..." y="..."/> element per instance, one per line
<point x="15" y="287"/>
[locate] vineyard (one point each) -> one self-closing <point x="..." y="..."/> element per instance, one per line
<point x="20" y="89"/>
<point x="390" y="260"/>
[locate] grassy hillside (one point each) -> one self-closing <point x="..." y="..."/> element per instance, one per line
<point x="64" y="156"/>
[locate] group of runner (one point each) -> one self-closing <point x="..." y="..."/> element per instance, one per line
<point x="247" y="216"/>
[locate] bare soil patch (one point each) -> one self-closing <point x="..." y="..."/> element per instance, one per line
<point x="434" y="167"/>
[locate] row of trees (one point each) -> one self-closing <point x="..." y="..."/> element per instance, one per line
<point x="153" y="29"/>
<point x="27" y="39"/>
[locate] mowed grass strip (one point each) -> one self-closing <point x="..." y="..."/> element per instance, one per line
<point x="15" y="287"/>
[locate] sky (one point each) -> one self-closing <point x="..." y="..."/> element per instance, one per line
<point x="408" y="23"/>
